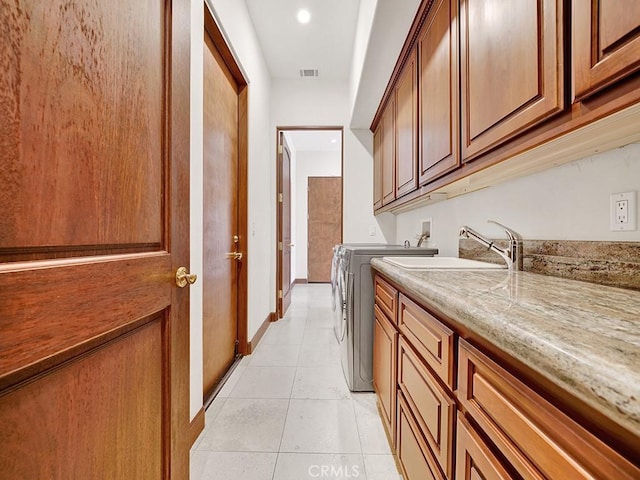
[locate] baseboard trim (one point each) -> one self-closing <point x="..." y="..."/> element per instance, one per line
<point x="196" y="427"/>
<point x="261" y="331"/>
<point x="300" y="280"/>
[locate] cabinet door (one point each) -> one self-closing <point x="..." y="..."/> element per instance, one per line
<point x="606" y="43"/>
<point x="511" y="64"/>
<point x="533" y="435"/>
<point x="439" y="92"/>
<point x="432" y="406"/>
<point x="407" y="128"/>
<point x="433" y="340"/>
<point x="377" y="168"/>
<point x="388" y="152"/>
<point x="415" y="457"/>
<point x="385" y="341"/>
<point x="474" y="459"/>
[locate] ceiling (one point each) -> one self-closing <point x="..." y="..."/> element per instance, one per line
<point x="315" y="140"/>
<point x="325" y="43"/>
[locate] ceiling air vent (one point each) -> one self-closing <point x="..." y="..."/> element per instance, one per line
<point x="308" y="72"/>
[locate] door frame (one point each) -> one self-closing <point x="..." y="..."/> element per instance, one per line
<point x="279" y="130"/>
<point x="214" y="32"/>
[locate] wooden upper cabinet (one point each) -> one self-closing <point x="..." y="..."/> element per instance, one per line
<point x="377" y="168"/>
<point x="388" y="148"/>
<point x="406" y="128"/>
<point x="512" y="69"/>
<point x="606" y="43"/>
<point x="439" y="134"/>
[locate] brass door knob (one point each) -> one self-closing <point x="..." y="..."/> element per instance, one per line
<point x="235" y="255"/>
<point x="183" y="277"/>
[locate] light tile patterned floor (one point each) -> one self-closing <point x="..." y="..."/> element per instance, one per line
<point x="286" y="412"/>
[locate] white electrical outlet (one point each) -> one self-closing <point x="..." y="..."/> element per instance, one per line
<point x="623" y="211"/>
<point x="426" y="227"/>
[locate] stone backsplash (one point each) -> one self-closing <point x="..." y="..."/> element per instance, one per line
<point x="606" y="263"/>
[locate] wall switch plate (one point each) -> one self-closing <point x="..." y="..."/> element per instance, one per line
<point x="624" y="212"/>
<point x="372" y="230"/>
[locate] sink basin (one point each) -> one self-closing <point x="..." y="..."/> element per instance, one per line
<point x="441" y="263"/>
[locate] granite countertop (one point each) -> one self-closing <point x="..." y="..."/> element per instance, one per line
<point x="583" y="337"/>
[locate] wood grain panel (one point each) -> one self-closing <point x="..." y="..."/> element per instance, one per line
<point x="385" y="344"/>
<point x="94" y="141"/>
<point x="406" y="128"/>
<point x="286" y="225"/>
<point x="58" y="310"/>
<point x="413" y="452"/>
<point x="81" y="123"/>
<point x="439" y="92"/>
<point x="386" y="297"/>
<point x="93" y="404"/>
<point x="219" y="306"/>
<point x="606" y="43"/>
<point x="324" y="225"/>
<point x="474" y="459"/>
<point x="389" y="152"/>
<point x="521" y="46"/>
<point x="538" y="440"/>
<point x="377" y="168"/>
<point x="431" y="339"/>
<point x="432" y="406"/>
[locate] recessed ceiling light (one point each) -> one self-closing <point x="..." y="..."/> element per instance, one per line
<point x="304" y="16"/>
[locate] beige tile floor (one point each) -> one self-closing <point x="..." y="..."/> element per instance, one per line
<point x="286" y="412"/>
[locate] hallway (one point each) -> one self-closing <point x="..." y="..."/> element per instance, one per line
<point x="286" y="412"/>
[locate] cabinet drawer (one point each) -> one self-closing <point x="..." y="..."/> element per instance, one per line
<point x="433" y="408"/>
<point x="429" y="337"/>
<point x="386" y="297"/>
<point x="474" y="458"/>
<point x="538" y="439"/>
<point x="413" y="453"/>
<point x="385" y="341"/>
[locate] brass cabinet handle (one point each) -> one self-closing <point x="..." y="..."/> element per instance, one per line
<point x="235" y="255"/>
<point x="183" y="277"/>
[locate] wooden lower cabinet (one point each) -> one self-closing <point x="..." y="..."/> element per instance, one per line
<point x="415" y="457"/>
<point x="534" y="436"/>
<point x="492" y="426"/>
<point x="385" y="341"/>
<point x="433" y="407"/>
<point x="474" y="458"/>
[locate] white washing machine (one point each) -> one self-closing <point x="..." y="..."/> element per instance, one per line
<point x="353" y="298"/>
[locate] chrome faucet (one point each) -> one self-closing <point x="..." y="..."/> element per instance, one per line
<point x="512" y="255"/>
<point x="422" y="238"/>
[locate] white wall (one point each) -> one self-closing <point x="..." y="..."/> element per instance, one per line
<point x="234" y="21"/>
<point x="317" y="102"/>
<point x="308" y="164"/>
<point x="196" y="220"/>
<point x="570" y="202"/>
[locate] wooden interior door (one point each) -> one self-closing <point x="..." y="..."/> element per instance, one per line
<point x="324" y="226"/>
<point x="284" y="199"/>
<point x="94" y="195"/>
<point x="221" y="239"/>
